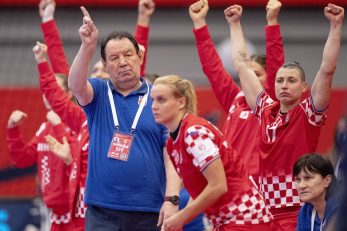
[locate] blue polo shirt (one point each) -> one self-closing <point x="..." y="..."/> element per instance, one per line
<point x="139" y="183"/>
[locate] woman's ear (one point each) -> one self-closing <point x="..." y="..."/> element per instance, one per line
<point x="181" y="103"/>
<point x="328" y="180"/>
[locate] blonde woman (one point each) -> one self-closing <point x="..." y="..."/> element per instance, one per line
<point x="210" y="171"/>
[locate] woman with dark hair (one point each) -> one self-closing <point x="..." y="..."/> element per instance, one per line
<point x="315" y="181"/>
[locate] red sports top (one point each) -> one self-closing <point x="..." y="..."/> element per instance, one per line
<point x="197" y="145"/>
<point x="284" y="138"/>
<point x="241" y="129"/>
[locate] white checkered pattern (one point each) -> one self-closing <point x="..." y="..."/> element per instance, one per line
<point x="279" y="191"/>
<point x="60" y="219"/>
<point x="45" y="173"/>
<point x="200" y="144"/>
<point x="249" y="208"/>
<point x="263" y="101"/>
<point x="81" y="207"/>
<point x="314" y="117"/>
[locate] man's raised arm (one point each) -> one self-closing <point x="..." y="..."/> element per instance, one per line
<point x="77" y="80"/>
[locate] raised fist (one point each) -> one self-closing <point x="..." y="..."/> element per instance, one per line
<point x="46" y="10"/>
<point x="16" y="118"/>
<point x="40" y="52"/>
<point x="233" y="14"/>
<point x="198" y="12"/>
<point x="334" y="13"/>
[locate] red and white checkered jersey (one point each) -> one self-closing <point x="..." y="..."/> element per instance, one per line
<point x="60" y="218"/>
<point x="284" y="138"/>
<point x="78" y="172"/>
<point x="81" y="207"/>
<point x="197" y="145"/>
<point x="52" y="171"/>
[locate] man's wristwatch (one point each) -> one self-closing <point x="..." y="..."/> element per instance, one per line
<point x="175" y="200"/>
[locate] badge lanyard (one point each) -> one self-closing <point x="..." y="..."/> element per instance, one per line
<point x="313" y="215"/>
<point x="121" y="142"/>
<point x="138" y="113"/>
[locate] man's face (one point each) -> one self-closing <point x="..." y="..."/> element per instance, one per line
<point x="122" y="62"/>
<point x="289" y="86"/>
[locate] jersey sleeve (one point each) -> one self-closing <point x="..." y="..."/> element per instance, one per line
<point x="263" y="101"/>
<point x="221" y="81"/>
<point x="274" y="57"/>
<point x="70" y="113"/>
<point x="141" y="36"/>
<point x="55" y="47"/>
<point x="200" y="144"/>
<point x="314" y="117"/>
<point x="22" y="154"/>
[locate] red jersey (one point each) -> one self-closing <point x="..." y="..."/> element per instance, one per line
<point x="141" y="35"/>
<point x="52" y="171"/>
<point x="198" y="144"/>
<point x="284" y="138"/>
<point x="241" y="129"/>
<point x="74" y="116"/>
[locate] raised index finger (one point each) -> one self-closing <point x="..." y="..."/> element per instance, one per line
<point x="85" y="12"/>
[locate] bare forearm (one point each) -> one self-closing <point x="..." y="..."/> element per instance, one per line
<point x="79" y="72"/>
<point x="208" y="197"/>
<point x="238" y="46"/>
<point x="322" y="84"/>
<point x="173" y="181"/>
<point x="331" y="49"/>
<point x="143" y="20"/>
<point x="249" y="81"/>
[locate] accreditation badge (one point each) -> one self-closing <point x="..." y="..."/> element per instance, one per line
<point x="120" y="146"/>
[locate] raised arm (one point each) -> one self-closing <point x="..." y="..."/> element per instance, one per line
<point x="145" y="10"/>
<point x="22" y="154"/>
<point x="320" y="90"/>
<point x="249" y="81"/>
<point x="52" y="38"/>
<point x="78" y="82"/>
<point x="60" y="101"/>
<point x="221" y="82"/>
<point x="274" y="46"/>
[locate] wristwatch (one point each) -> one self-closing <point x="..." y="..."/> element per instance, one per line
<point x="175" y="200"/>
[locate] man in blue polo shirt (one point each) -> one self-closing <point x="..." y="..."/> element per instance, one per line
<point x="126" y="167"/>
